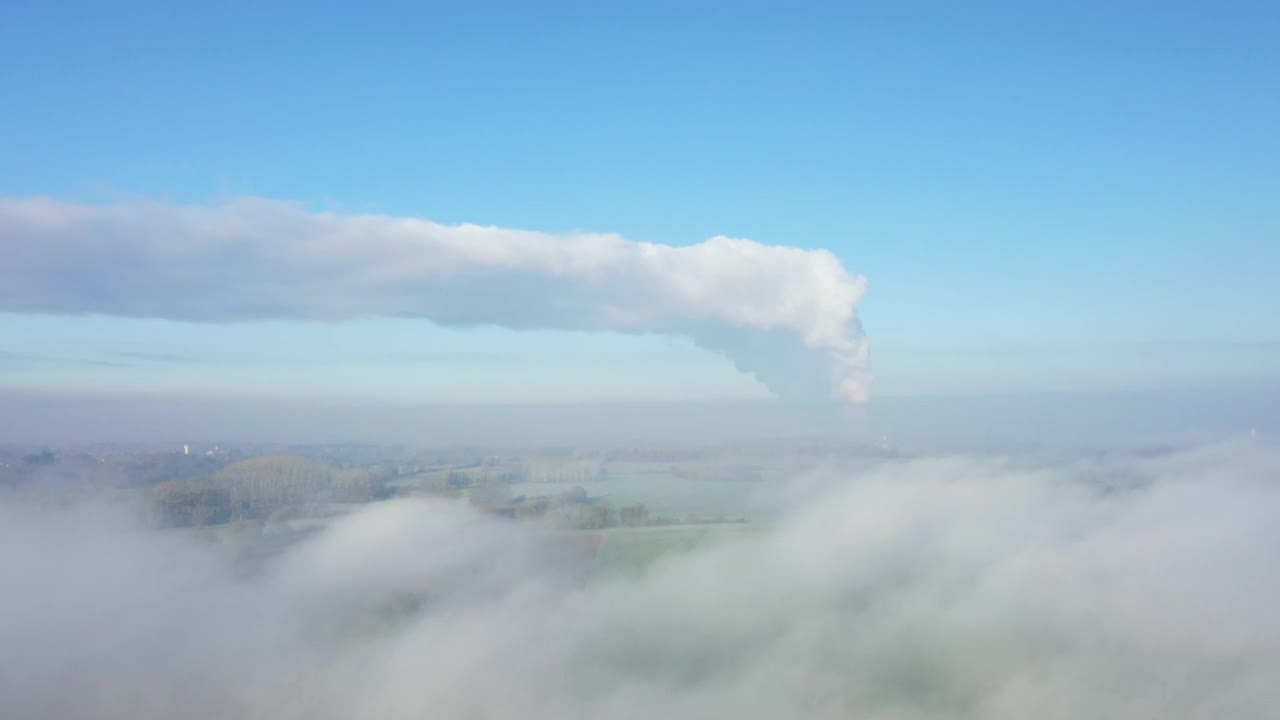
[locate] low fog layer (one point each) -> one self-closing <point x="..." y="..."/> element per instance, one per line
<point x="786" y="314"/>
<point x="958" y="587"/>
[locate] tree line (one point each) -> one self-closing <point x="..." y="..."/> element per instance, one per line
<point x="258" y="487"/>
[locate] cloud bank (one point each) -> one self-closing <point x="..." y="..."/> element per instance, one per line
<point x="938" y="589"/>
<point x="780" y="312"/>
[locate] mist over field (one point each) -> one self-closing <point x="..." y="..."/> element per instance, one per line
<point x="1134" y="585"/>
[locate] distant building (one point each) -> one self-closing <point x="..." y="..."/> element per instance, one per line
<point x="186" y="449"/>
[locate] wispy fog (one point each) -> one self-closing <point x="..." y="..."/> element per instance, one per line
<point x="988" y="587"/>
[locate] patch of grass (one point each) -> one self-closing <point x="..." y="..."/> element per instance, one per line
<point x="631" y="551"/>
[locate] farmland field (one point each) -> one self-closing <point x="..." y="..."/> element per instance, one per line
<point x="663" y="493"/>
<point x="629" y="551"/>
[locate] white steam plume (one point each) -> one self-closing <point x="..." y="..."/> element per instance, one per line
<point x="764" y="306"/>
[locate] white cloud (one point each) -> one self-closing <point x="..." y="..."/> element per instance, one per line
<point x="767" y="307"/>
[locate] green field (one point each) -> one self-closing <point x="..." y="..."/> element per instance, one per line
<point x="603" y="554"/>
<point x="630" y="551"/>
<point x="664" y="493"/>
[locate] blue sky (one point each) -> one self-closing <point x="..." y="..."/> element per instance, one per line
<point x="1077" y="197"/>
